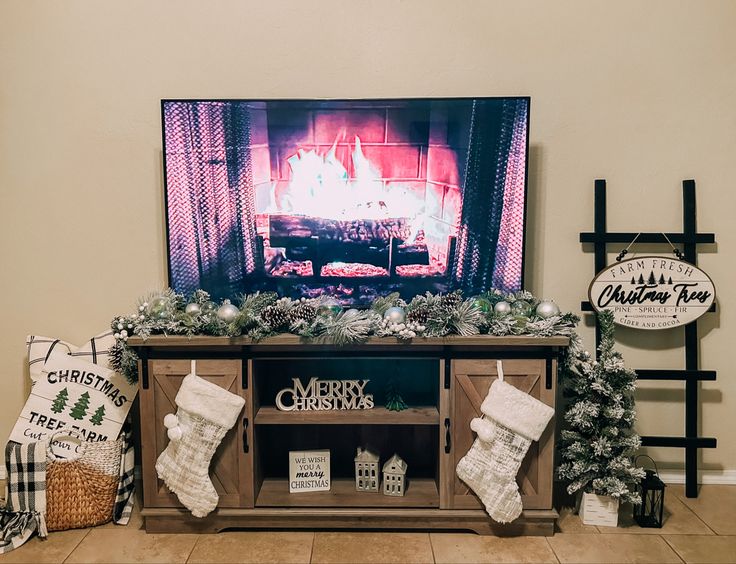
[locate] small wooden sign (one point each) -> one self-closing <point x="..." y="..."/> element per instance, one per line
<point x="652" y="292"/>
<point x="309" y="471"/>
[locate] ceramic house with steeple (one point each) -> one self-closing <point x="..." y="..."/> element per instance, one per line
<point x="394" y="476"/>
<point x="366" y="470"/>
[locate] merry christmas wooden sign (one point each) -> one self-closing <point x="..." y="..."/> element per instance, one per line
<point x="324" y="395"/>
<point x="309" y="471"/>
<point x="75" y="394"/>
<point x="652" y="292"/>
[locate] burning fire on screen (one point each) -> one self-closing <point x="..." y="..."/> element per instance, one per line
<point x="321" y="187"/>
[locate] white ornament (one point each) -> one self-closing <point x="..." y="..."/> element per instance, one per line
<point x="193" y="309"/>
<point x="175" y="434"/>
<point x="120" y="325"/>
<point x="227" y="312"/>
<point x="124" y="333"/>
<point x="395" y="314"/>
<point x="547" y="309"/>
<point x="502" y="308"/>
<point x="116" y="335"/>
<point x="171" y="421"/>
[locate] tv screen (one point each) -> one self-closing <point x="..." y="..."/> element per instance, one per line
<point x="347" y="198"/>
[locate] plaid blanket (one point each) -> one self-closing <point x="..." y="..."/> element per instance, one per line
<point x="26" y="504"/>
<point x="126" y="485"/>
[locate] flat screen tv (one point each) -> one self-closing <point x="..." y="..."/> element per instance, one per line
<point x="349" y="198"/>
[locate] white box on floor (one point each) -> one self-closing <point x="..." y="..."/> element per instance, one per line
<point x="599" y="510"/>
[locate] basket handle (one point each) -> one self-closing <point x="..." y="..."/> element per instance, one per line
<point x="71" y="433"/>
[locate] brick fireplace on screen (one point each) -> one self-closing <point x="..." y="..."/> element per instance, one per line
<point x="345" y="197"/>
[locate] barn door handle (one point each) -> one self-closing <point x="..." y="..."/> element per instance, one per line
<point x="246" y="447"/>
<point x="448" y="437"/>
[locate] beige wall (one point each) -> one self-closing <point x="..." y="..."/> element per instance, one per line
<point x="641" y="93"/>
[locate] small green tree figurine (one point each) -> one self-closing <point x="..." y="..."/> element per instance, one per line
<point x="598" y="444"/>
<point x="394" y="401"/>
<point x="59" y="403"/>
<point x="96" y="419"/>
<point x="80" y="408"/>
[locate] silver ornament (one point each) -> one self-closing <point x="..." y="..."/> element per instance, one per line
<point x="227" y="312"/>
<point x="193" y="309"/>
<point x="395" y="314"/>
<point x="502" y="308"/>
<point x="547" y="309"/>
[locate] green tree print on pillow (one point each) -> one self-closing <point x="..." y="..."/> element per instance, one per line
<point x="60" y="400"/>
<point x="80" y="408"/>
<point x="96" y="419"/>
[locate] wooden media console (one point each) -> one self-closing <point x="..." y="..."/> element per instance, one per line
<point x="442" y="380"/>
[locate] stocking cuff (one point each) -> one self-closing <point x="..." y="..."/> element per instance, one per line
<point x="516" y="410"/>
<point x="209" y="401"/>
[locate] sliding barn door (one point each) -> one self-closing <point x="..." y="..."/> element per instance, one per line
<point x="230" y="469"/>
<point x="469" y="385"/>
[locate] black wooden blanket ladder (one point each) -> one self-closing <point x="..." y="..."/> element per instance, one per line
<point x="691" y="375"/>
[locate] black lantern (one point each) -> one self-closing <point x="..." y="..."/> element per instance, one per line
<point x="651" y="487"/>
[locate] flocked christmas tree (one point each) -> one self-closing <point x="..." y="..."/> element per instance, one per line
<point x="80" y="408"/>
<point x="96" y="419"/>
<point x="599" y="441"/>
<point x="59" y="403"/>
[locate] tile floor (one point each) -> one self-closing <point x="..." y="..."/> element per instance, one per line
<point x="696" y="530"/>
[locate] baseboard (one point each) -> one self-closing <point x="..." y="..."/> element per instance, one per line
<point x="727" y="477"/>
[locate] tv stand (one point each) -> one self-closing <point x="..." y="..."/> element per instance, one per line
<point x="442" y="380"/>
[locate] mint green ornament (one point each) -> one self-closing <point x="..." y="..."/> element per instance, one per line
<point x="483" y="304"/>
<point x="329" y="308"/>
<point x="521" y="307"/>
<point x="158" y="308"/>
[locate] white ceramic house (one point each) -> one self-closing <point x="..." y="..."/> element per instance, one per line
<point x="366" y="470"/>
<point x="394" y="476"/>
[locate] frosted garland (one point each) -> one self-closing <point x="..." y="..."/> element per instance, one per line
<point x="262" y="315"/>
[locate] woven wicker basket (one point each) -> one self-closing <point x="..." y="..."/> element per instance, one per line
<point x="80" y="492"/>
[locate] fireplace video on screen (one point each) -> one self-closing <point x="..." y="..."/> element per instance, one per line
<point x="347" y="198"/>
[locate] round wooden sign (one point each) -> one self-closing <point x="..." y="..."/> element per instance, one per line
<point x="652" y="292"/>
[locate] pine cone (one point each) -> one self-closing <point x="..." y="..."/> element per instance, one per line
<point x="276" y="317"/>
<point x="450" y="301"/>
<point x="116" y="355"/>
<point x="304" y="312"/>
<point x="418" y="315"/>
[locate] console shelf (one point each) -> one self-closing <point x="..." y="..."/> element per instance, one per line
<point x="376" y="416"/>
<point x="421" y="492"/>
<point x="443" y="381"/>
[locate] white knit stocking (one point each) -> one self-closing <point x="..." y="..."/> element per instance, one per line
<point x="512" y="420"/>
<point x="205" y="414"/>
<point x="490" y="469"/>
